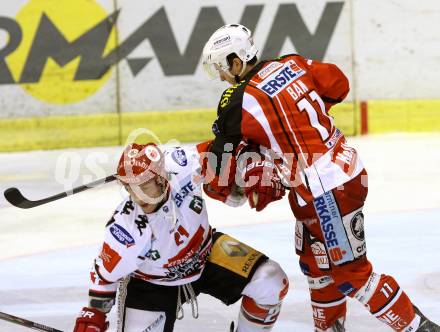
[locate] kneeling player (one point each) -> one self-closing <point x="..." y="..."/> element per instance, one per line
<point x="160" y="248"/>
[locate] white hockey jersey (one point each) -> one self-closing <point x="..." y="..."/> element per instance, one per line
<point x="168" y="247"/>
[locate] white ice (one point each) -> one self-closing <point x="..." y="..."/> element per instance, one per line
<point x="46" y="252"/>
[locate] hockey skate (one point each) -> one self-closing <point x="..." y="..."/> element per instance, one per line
<point x="425" y="324"/>
<point x="338" y="326"/>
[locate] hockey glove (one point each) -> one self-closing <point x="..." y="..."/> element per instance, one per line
<point x="91" y="320"/>
<point x="262" y="184"/>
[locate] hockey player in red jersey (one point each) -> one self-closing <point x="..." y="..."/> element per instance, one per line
<point x="161" y="250"/>
<point x="282" y="105"/>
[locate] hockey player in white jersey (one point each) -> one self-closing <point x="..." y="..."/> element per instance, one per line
<point x="161" y="250"/>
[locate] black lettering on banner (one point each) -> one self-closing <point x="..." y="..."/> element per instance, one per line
<point x="288" y="23"/>
<point x="15" y="37"/>
<point x="157" y="29"/>
<point x="49" y="42"/>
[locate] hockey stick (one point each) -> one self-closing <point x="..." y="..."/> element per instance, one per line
<point x="16" y="198"/>
<point x="27" y="323"/>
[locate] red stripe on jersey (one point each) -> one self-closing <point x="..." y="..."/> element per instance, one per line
<point x="190" y="249"/>
<point x="267" y="109"/>
<point x="281" y="135"/>
<point x="145" y="276"/>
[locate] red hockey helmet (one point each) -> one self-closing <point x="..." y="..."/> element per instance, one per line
<point x="140" y="163"/>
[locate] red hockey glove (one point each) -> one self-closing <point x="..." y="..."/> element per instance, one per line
<point x="216" y="186"/>
<point x="216" y="192"/>
<point x="91" y="320"/>
<point x="263" y="184"/>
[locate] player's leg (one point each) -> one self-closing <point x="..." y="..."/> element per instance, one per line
<point x="340" y="226"/>
<point x="143" y="320"/>
<point x="235" y="271"/>
<point x="328" y="304"/>
<point x="383" y="297"/>
<point x="262" y="298"/>
<point x="354" y="276"/>
<point x="147" y="307"/>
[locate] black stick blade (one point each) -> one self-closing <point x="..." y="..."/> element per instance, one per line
<point x="14" y="196"/>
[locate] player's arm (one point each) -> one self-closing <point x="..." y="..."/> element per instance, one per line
<point x="220" y="187"/>
<point x="117" y="259"/>
<point x="219" y="170"/>
<point x="257" y="178"/>
<point x="331" y="83"/>
<point x="261" y="177"/>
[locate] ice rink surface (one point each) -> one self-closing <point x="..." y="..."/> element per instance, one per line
<point x="46" y="252"/>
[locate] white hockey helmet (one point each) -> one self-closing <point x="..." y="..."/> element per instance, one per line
<point x="230" y="38"/>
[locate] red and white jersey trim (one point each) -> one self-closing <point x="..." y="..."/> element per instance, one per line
<point x="251" y="105"/>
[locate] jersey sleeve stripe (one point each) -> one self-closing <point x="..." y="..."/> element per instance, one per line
<point x="251" y="105"/>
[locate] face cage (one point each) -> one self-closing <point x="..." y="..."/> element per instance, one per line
<point x="213" y="70"/>
<point x="137" y="188"/>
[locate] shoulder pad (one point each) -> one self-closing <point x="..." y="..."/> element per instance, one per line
<point x="180" y="161"/>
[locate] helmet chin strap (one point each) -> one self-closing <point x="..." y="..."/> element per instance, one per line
<point x="229" y="74"/>
<point x="242" y="69"/>
<point x="237" y="77"/>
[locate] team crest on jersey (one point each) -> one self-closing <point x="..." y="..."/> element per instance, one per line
<point x="357" y="226"/>
<point x="179" y="157"/>
<point x="121" y="235"/>
<point x="281" y="78"/>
